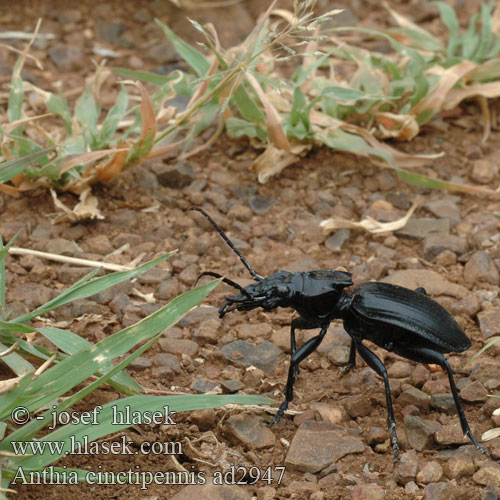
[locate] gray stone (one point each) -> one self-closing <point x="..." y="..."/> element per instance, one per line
<point x="264" y="356"/>
<point x="261" y="204"/>
<point x="434" y="244"/>
<point x="139" y="364"/>
<point x="337" y="240"/>
<point x="480" y="267"/>
<point x="316" y="445"/>
<point x="179" y="346"/>
<point x="250" y="431"/>
<point x="65" y="57"/>
<point x="165" y="359"/>
<point x="414" y="396"/>
<point x="420" y="432"/>
<point x="231" y="386"/>
<point x="110" y="32"/>
<point x="444" y="209"/>
<point x="61" y="246"/>
<point x="32" y="295"/>
<point x="469" y="305"/>
<point x="444" y="402"/>
<point x="420" y="228"/>
<point x="196" y="316"/>
<point x="202" y="385"/>
<point x="176" y="176"/>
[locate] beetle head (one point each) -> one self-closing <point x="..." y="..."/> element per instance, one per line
<point x="269" y="293"/>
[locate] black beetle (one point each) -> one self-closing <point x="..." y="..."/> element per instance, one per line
<point x="406" y="322"/>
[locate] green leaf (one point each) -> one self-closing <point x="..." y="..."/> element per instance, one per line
<point x="115" y="114"/>
<point x="246" y="106"/>
<point x="195" y="59"/>
<point x="470" y="39"/>
<point x="345" y="141"/>
<point x="58" y="105"/>
<point x="486" y="36"/>
<point x="236" y="127"/>
<point x="16" y="95"/>
<point x="10" y="169"/>
<point x="87" y="113"/>
<point x="449" y="18"/>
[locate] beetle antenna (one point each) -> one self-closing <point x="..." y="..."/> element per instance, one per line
<point x="255" y="276"/>
<point x="224" y="280"/>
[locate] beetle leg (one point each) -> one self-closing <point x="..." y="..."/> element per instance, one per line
<point x="303" y="324"/>
<point x="310" y="346"/>
<point x="374" y="362"/>
<point x="424" y="355"/>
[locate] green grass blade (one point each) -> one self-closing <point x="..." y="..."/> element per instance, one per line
<point x="247" y="106"/>
<point x="9" y="169"/>
<point x="71" y="343"/>
<point x="195" y="59"/>
<point x="87" y="113"/>
<point x="62" y="377"/>
<point x="493" y="341"/>
<point x="16" y="363"/>
<point x="84" y="289"/>
<point x="8" y="400"/>
<point x="146" y="76"/>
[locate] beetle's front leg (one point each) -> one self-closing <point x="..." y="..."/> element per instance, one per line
<point x="303" y="324"/>
<point x="297" y="356"/>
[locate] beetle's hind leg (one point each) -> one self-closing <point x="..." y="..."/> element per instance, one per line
<point x="376" y="364"/>
<point x="425" y="355"/>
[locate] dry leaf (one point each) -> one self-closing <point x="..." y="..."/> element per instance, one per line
<point x="436" y="99"/>
<point x="369" y="224"/>
<point x="114" y="166"/>
<point x="85" y="209"/>
<point x="400" y="127"/>
<point x="275" y="130"/>
<point x="273" y="160"/>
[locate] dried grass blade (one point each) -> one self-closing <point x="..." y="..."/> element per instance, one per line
<point x="434" y="102"/>
<point x="82" y="158"/>
<point x="275" y="130"/>
<point x="488" y="90"/>
<point x="273" y="160"/>
<point x="369" y="224"/>
<point x="110" y="170"/>
<point x="85" y="209"/>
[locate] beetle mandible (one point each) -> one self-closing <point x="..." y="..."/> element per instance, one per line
<point x="406" y="322"/>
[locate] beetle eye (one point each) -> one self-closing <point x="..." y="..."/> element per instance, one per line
<point x="282" y="290"/>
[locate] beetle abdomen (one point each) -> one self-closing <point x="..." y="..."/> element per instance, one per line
<point x="384" y="304"/>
